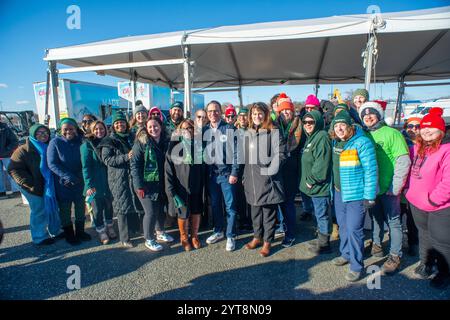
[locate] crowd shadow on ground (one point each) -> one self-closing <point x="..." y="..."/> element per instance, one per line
<point x="42" y="274"/>
<point x="278" y="280"/>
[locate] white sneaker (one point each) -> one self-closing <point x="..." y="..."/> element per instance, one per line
<point x="164" y="237"/>
<point x="216" y="236"/>
<point x="231" y="243"/>
<point x="153" y="245"/>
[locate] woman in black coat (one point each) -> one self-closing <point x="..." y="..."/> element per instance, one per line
<point x="185" y="180"/>
<point x="147" y="171"/>
<point x="264" y="156"/>
<point x="116" y="154"/>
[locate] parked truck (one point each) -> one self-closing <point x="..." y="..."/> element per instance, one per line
<point x="77" y="98"/>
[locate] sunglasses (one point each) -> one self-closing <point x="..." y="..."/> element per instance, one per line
<point x="201" y="117"/>
<point x="310" y="122"/>
<point x="87" y="121"/>
<point x="41" y="133"/>
<point x="232" y="116"/>
<point x="412" y="126"/>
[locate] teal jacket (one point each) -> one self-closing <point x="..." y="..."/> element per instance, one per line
<point x="316" y="160"/>
<point x="95" y="173"/>
<point x="358" y="168"/>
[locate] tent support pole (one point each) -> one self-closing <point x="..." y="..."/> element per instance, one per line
<point x="398" y="107"/>
<point x="316" y="88"/>
<point x="241" y="104"/>
<point x="54" y="84"/>
<point x="187" y="82"/>
<point x="47" y="93"/>
<point x="369" y="61"/>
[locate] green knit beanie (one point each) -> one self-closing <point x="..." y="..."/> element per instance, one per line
<point x="119" y="115"/>
<point x="361" y="92"/>
<point x="68" y="121"/>
<point x="342" y="117"/>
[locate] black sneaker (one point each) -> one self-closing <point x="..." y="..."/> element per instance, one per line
<point x="423" y="271"/>
<point x="440" y="281"/>
<point x="2" y="194"/>
<point x="287" y="243"/>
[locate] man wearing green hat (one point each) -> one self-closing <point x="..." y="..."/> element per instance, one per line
<point x="176" y="116"/>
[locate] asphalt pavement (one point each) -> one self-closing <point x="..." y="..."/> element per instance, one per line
<point x="112" y="272"/>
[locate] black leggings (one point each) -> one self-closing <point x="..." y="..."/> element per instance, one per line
<point x="154" y="217"/>
<point x="434" y="237"/>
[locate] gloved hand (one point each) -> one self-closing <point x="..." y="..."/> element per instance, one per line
<point x="369" y="204"/>
<point x="141" y="193"/>
<point x="178" y="202"/>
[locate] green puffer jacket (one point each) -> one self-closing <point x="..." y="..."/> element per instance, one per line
<point x="95" y="172"/>
<point x="316" y="163"/>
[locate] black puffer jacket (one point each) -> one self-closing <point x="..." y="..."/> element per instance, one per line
<point x="115" y="156"/>
<point x="262" y="185"/>
<point x="154" y="189"/>
<point x="183" y="178"/>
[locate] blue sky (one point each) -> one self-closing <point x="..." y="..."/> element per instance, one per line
<point x="27" y="28"/>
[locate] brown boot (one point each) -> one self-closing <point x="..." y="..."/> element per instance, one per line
<point x="253" y="244"/>
<point x="184" y="239"/>
<point x="195" y="224"/>
<point x="265" y="251"/>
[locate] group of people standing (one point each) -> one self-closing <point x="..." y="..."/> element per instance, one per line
<point x="250" y="164"/>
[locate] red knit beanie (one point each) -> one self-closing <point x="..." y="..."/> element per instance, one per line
<point x="434" y="119"/>
<point x="284" y="103"/>
<point x="230" y="110"/>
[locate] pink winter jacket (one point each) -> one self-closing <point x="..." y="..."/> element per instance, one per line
<point x="429" y="180"/>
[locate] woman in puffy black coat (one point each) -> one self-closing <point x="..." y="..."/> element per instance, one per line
<point x="116" y="154"/>
<point x="265" y="154"/>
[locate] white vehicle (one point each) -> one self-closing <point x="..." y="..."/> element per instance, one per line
<point x="424" y="108"/>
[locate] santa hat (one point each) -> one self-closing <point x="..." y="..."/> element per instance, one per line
<point x="434" y="119"/>
<point x="372" y="107"/>
<point x="230" y="110"/>
<point x="284" y="103"/>
<point x="312" y="100"/>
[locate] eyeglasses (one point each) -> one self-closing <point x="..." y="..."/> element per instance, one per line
<point x="155" y="114"/>
<point x="232" y="116"/>
<point x="201" y="117"/>
<point x="87" y="121"/>
<point x="310" y="122"/>
<point x="41" y="133"/>
<point x="412" y="126"/>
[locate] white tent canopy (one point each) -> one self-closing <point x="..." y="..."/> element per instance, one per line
<point x="414" y="45"/>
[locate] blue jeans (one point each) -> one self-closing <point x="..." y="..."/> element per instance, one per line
<point x="307" y="204"/>
<point x="38" y="217"/>
<point x="321" y="205"/>
<point x="350" y="218"/>
<point x="4" y="175"/>
<point x="387" y="209"/>
<point x="288" y="210"/>
<point x="220" y="187"/>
